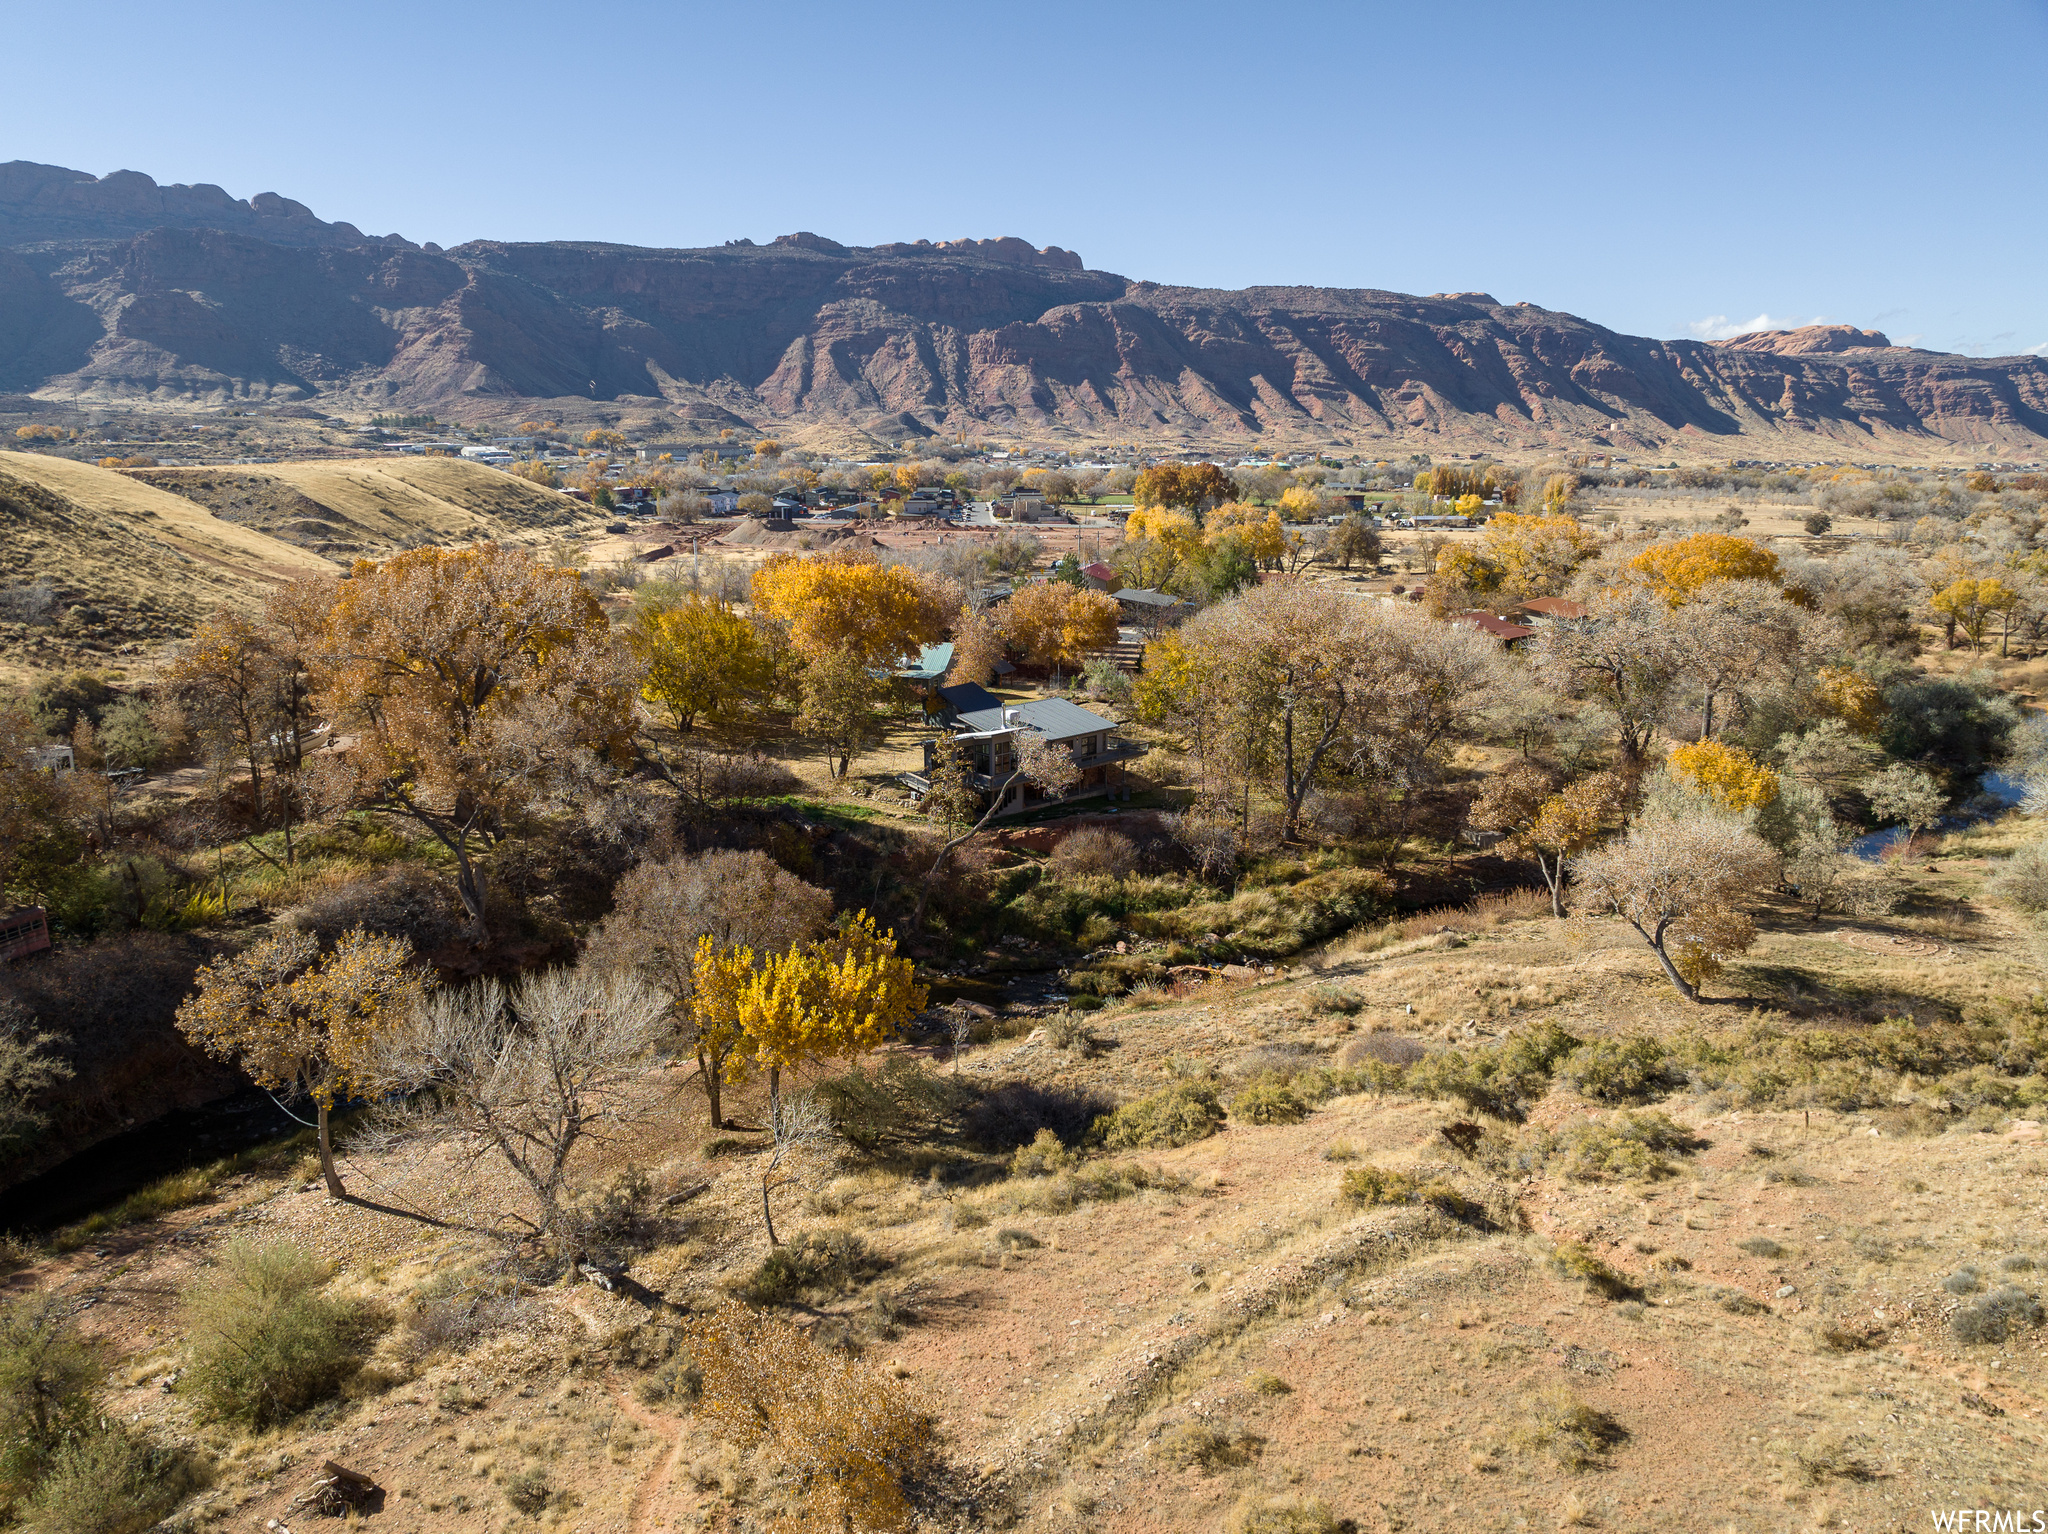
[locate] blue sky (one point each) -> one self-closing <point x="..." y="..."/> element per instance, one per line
<point x="1668" y="170"/>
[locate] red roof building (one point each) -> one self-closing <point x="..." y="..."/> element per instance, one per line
<point x="1509" y="634"/>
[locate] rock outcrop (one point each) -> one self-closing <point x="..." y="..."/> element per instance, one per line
<point x="263" y="301"/>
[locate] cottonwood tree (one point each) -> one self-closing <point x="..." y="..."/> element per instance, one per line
<point x="1735" y="638"/>
<point x="699" y="659"/>
<point x="1044" y="766"/>
<point x="478" y="685"/>
<point x="1545" y="823"/>
<point x="873" y="616"/>
<point x="1625" y="658"/>
<point x="842" y="994"/>
<point x="838" y="707"/>
<point x="662" y="912"/>
<point x="295" y="1020"/>
<point x="524" y="1076"/>
<point x="1055" y="624"/>
<point x="1682" y="884"/>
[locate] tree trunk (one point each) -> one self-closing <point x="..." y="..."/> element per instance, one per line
<point x="705" y="1068"/>
<point x="1555" y="883"/>
<point x="469" y="885"/>
<point x="767" y="1218"/>
<point x="775" y="1099"/>
<point x="327" y="1168"/>
<point x="1671" y="973"/>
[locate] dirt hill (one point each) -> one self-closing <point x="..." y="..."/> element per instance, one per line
<point x="920" y="338"/>
<point x="136" y="557"/>
<point x="366" y="508"/>
<point x="127" y="564"/>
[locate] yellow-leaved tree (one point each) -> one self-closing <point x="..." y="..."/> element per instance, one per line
<point x="1055" y="624"/>
<point x="296" y="1021"/>
<point x="875" y="614"/>
<point x="1728" y="775"/>
<point x="1968" y="604"/>
<point x="475" y="684"/>
<point x="845" y="993"/>
<point x="1851" y="697"/>
<point x="1677" y="570"/>
<point x="701" y="659"/>
<point x="1264" y="537"/>
<point x="1536" y="554"/>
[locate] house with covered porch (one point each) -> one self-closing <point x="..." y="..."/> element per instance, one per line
<point x="987" y="729"/>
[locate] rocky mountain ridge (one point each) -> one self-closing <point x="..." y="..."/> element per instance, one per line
<point x="249" y="303"/>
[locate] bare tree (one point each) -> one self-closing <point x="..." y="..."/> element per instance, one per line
<point x="526" y="1075"/>
<point x="802" y="1129"/>
<point x="1624" y="658"/>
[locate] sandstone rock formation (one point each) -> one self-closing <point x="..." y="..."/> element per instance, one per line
<point x="266" y="302"/>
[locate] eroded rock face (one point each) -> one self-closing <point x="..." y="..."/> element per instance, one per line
<point x="1810" y="340"/>
<point x="266" y="301"/>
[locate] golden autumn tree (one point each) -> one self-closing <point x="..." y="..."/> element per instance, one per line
<point x="1055" y="624"/>
<point x="880" y="615"/>
<point x="1158" y="544"/>
<point x="699" y="659"/>
<point x="296" y="1021"/>
<point x="1189" y="487"/>
<point x="1545" y="823"/>
<point x="1968" y="603"/>
<point x="603" y="437"/>
<point x="841" y="995"/>
<point x="1677" y="570"/>
<point x="1850" y="697"/>
<point x="475" y="685"/>
<point x="1260" y="527"/>
<point x="1728" y="775"/>
<point x="1534" y="553"/>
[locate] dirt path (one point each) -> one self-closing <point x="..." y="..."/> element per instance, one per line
<point x="661" y="1475"/>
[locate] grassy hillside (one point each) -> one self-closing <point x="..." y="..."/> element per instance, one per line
<point x="128" y="563"/>
<point x="370" y="507"/>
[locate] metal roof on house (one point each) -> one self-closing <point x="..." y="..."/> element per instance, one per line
<point x="1054" y="718"/>
<point x="969" y="698"/>
<point x="930" y="665"/>
<point x="1146" y="597"/>
<point x="1499" y="628"/>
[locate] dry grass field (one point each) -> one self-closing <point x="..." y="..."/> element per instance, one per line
<point x="1754" y="1329"/>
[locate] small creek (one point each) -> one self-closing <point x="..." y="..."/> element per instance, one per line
<point x="1996" y="793"/>
<point x="111" y="1170"/>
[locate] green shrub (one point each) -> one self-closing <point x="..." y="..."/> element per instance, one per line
<point x="108" y="1482"/>
<point x="1375" y="1185"/>
<point x="1760" y="1246"/>
<point x="530" y="1492"/>
<point x="266" y="1342"/>
<point x="1500" y="1080"/>
<point x="1177" y="1115"/>
<point x="1628" y="1147"/>
<point x="48" y="1374"/>
<point x="1330" y="1000"/>
<point x="1578" y="1261"/>
<point x="1044" y="1156"/>
<point x="1272" y="921"/>
<point x="1266" y="1384"/>
<point x="903" y="1103"/>
<point x="817" y="1262"/>
<point x="2022" y="880"/>
<point x="1268" y="1100"/>
<point x="1619" y="1070"/>
<point x="1997" y="1316"/>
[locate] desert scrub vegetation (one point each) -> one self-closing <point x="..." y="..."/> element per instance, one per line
<point x="1556" y="1422"/>
<point x="1268" y="1099"/>
<point x="64" y="1468"/>
<point x="815" y="1263"/>
<point x="1288" y="1514"/>
<point x="1575" y="1259"/>
<point x="849" y="1443"/>
<point x="1180" y="1114"/>
<point x="267" y="1341"/>
<point x="1998" y="1315"/>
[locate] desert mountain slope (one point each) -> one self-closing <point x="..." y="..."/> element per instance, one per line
<point x="136" y="557"/>
<point x="128" y="564"/>
<point x="345" y="509"/>
<point x="49" y="202"/>
<point x="212" y="304"/>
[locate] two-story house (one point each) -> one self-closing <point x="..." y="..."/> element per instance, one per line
<point x="986" y="727"/>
